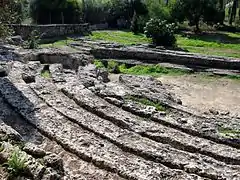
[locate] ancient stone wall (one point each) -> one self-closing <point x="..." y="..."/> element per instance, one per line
<point x="102" y="26"/>
<point x="51" y="30"/>
<point x="159" y="56"/>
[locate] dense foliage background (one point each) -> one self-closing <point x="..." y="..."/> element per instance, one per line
<point x="115" y="11"/>
<point x="127" y="14"/>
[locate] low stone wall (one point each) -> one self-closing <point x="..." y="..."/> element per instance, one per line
<point x="175" y="57"/>
<point x="51" y="30"/>
<point x="102" y="26"/>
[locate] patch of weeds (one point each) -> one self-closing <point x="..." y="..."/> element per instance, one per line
<point x="112" y="66"/>
<point x="99" y="64"/>
<point x="153" y="70"/>
<point x="234" y="77"/>
<point x="229" y="133"/>
<point x="17" y="163"/>
<point x="46" y="74"/>
<point x="147" y="102"/>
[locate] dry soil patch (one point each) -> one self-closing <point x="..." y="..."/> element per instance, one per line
<point x="204" y="93"/>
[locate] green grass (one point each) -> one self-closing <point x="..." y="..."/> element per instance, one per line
<point x="121" y="37"/>
<point x="219" y="43"/>
<point x="234" y="77"/>
<point x="57" y="44"/>
<point x="46" y="74"/>
<point x="147" y="102"/>
<point x="152" y="70"/>
<point x="158" y="70"/>
<point x="17" y="163"/>
<point x="210" y="46"/>
<point x="229" y="133"/>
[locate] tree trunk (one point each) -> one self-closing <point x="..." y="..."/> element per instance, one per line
<point x="84" y="10"/>
<point x="222" y="7"/>
<point x="62" y="17"/>
<point x="196" y="22"/>
<point x="233" y="12"/>
<point x="50" y="17"/>
<point x="197" y="27"/>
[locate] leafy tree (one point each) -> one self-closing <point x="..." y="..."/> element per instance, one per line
<point x="222" y="11"/>
<point x="233" y="11"/>
<point x="139" y="8"/>
<point x="158" y="9"/>
<point x="11" y="13"/>
<point x="56" y="11"/>
<point x="161" y="32"/>
<point x="197" y="10"/>
<point x="96" y="11"/>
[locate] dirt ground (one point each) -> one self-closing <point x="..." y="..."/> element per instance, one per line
<point x="205" y="93"/>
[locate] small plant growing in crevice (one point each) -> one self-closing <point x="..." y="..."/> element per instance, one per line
<point x="99" y="64"/>
<point x="229" y="133"/>
<point x="113" y="67"/>
<point x="147" y="102"/>
<point x="46" y="72"/>
<point x="17" y="163"/>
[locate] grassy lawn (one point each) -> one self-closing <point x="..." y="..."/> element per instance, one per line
<point x="217" y="43"/>
<point x="221" y="43"/>
<point x="121" y="37"/>
<point x="156" y="70"/>
<point x="152" y="70"/>
<point x="58" y="43"/>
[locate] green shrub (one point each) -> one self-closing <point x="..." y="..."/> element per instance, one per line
<point x="113" y="67"/>
<point x="99" y="64"/>
<point x="33" y="40"/>
<point x="17" y="163"/>
<point x="161" y="32"/>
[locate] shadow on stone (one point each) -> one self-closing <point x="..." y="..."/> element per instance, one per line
<point x="12" y="100"/>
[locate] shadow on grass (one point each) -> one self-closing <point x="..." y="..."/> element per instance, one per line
<point x="216" y="37"/>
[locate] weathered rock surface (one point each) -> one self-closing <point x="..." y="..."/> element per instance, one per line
<point x="85" y="127"/>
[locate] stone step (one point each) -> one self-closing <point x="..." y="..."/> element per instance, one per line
<point x="178" y="116"/>
<point x="74" y="167"/>
<point x="150" y="129"/>
<point x="120" y="137"/>
<point x="83" y="143"/>
<point x="175" y="57"/>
